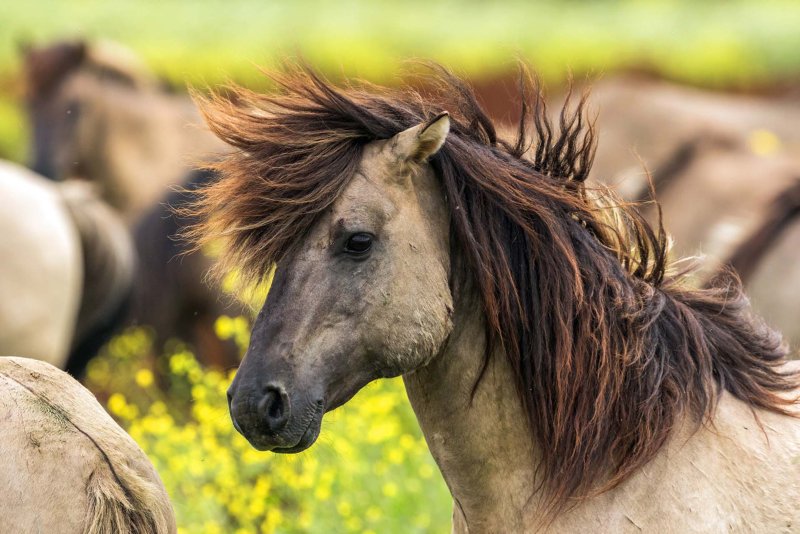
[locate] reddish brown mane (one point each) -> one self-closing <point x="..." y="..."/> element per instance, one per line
<point x="608" y="350"/>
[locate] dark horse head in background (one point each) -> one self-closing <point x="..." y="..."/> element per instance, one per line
<point x="60" y="84"/>
<point x="98" y="114"/>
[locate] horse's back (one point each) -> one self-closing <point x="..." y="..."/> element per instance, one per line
<point x="69" y="467"/>
<point x="40" y="272"/>
<point x="737" y="474"/>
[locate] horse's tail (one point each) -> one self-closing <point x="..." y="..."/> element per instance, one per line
<point x="121" y="500"/>
<point x="109" y="263"/>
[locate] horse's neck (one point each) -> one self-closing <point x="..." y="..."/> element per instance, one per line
<point x="481" y="443"/>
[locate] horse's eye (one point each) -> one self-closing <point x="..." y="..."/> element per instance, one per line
<point x="358" y="244"/>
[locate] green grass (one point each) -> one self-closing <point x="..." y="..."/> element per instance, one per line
<point x="709" y="43"/>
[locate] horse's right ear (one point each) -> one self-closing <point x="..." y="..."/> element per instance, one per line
<point x="422" y="141"/>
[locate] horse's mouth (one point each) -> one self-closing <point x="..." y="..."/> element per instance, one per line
<point x="310" y="434"/>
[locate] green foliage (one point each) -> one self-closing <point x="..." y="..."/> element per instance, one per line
<point x="370" y="470"/>
<point x="13" y="131"/>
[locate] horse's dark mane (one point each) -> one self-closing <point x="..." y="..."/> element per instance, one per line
<point x="607" y="348"/>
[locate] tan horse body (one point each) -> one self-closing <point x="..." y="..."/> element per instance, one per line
<point x="42" y="269"/>
<point x="68" y="467"/>
<point x="650" y="121"/>
<point x="737" y="474"/>
<point x="718" y="162"/>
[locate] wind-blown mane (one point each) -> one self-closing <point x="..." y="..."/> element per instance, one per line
<point x="608" y="350"/>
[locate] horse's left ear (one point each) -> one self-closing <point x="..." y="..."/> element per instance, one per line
<point x="422" y="141"/>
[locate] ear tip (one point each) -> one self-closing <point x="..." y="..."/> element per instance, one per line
<point x="440" y="120"/>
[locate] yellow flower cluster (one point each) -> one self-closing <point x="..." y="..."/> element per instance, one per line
<point x="370" y="470"/>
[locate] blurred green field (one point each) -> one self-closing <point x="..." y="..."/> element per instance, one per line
<point x="710" y="43"/>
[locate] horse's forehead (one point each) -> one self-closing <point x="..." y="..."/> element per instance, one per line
<point x="377" y="161"/>
<point x="377" y="172"/>
<point x="367" y="196"/>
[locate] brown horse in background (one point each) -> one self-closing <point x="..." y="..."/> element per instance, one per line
<point x="723" y="169"/>
<point x="565" y="379"/>
<point x="98" y="114"/>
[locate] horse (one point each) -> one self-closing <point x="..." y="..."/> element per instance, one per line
<point x="99" y="115"/>
<point x="67" y="267"/>
<point x="766" y="262"/>
<point x="746" y="207"/>
<point x="70" y="467"/>
<point x="702" y="145"/>
<point x="170" y="294"/>
<point x="564" y="378"/>
<point x="662" y="124"/>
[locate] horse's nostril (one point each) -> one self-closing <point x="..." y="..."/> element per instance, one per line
<point x="275" y="407"/>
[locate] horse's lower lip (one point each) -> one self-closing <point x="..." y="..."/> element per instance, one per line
<point x="309" y="436"/>
<point x="306" y="440"/>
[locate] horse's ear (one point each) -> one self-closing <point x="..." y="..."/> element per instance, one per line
<point x="422" y="141"/>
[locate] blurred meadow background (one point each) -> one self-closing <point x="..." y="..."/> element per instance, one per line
<point x="371" y="470"/>
<point x="722" y="44"/>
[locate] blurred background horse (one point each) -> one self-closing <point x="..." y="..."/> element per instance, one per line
<point x="725" y="170"/>
<point x="67" y="268"/>
<point x="99" y="115"/>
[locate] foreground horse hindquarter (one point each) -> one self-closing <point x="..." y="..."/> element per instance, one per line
<point x="564" y="380"/>
<point x="68" y="467"/>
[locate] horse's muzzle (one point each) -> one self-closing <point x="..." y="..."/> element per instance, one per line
<point x="266" y="419"/>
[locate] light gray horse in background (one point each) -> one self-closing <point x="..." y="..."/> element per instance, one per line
<point x="67" y="265"/>
<point x="67" y="466"/>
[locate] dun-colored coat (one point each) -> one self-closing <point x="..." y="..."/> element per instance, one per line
<point x="565" y="379"/>
<point x="67" y="466"/>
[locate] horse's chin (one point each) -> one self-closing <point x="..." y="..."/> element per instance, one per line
<point x="307" y="438"/>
